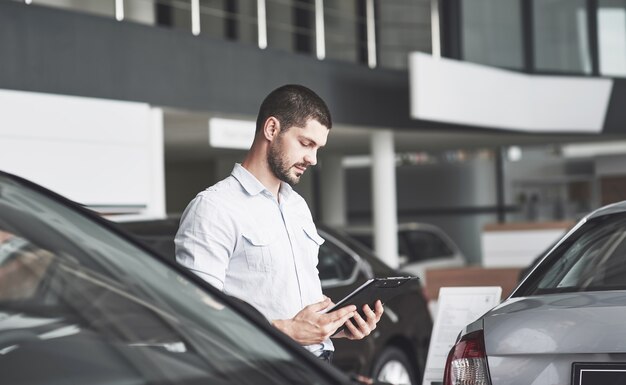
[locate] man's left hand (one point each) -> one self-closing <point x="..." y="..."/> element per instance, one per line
<point x="358" y="328"/>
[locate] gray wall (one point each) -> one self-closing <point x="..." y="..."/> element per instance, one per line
<point x="458" y="197"/>
<point x="183" y="180"/>
<point x="540" y="185"/>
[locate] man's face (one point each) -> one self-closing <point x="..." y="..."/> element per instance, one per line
<point x="296" y="149"/>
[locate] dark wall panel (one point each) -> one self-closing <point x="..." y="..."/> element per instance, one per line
<point x="58" y="51"/>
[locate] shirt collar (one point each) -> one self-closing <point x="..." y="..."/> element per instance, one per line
<point x="252" y="185"/>
<point x="248" y="181"/>
<point x="285" y="191"/>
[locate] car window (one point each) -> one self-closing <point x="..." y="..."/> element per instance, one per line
<point x="414" y="245"/>
<point x="424" y="245"/>
<point x="335" y="264"/>
<point x="592" y="260"/>
<point x="87" y="306"/>
<point x="366" y="240"/>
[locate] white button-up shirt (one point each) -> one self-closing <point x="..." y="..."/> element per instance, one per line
<point x="239" y="238"/>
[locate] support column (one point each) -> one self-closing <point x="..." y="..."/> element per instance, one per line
<point x="384" y="197"/>
<point x="332" y="189"/>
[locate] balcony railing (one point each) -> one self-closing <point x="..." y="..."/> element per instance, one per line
<point x="360" y="31"/>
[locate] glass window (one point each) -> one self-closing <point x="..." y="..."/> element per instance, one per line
<point x="140" y="11"/>
<point x="97" y="7"/>
<point x="491" y="32"/>
<point x="343" y="30"/>
<point x="173" y="13"/>
<point x="215" y="19"/>
<point x="612" y="37"/>
<point x="592" y="261"/>
<point x="560" y="34"/>
<point x="247" y="21"/>
<point x="402" y="27"/>
<point x="89" y="307"/>
<point x="291" y="25"/>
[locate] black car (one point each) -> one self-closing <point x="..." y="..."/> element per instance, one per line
<point x="81" y="302"/>
<point x="395" y="352"/>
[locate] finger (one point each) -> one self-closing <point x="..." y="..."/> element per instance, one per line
<point x="355" y="333"/>
<point x="332" y="303"/>
<point x="361" y="323"/>
<point x="330" y="327"/>
<point x="379" y="309"/>
<point x="346" y="318"/>
<point x="341" y="313"/>
<point x="371" y="316"/>
<point x="323" y="304"/>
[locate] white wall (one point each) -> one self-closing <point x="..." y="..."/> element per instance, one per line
<point x="101" y="153"/>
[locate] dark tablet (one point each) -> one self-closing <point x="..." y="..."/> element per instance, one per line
<point x="376" y="288"/>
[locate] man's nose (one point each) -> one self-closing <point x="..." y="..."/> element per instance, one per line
<point x="311" y="158"/>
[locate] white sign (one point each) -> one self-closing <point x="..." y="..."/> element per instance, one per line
<point x="458" y="306"/>
<point x="231" y="133"/>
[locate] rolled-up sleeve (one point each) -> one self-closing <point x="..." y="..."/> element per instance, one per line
<point x="206" y="239"/>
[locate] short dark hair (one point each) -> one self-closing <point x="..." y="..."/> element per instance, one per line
<point x="293" y="105"/>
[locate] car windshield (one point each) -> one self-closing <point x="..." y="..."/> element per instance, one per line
<point x="79" y="304"/>
<point x="592" y="259"/>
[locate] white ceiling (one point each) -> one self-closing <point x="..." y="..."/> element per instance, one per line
<point x="186" y="138"/>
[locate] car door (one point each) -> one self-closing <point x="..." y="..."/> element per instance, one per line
<point x="341" y="271"/>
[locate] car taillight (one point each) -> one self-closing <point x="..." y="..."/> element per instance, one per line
<point x="467" y="362"/>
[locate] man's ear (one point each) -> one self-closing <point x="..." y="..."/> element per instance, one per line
<point x="271" y="128"/>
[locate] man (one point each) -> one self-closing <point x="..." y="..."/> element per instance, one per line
<point x="252" y="236"/>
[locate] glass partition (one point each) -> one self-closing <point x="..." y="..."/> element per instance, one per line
<point x="491" y="32"/>
<point x="612" y="37"/>
<point x="344" y="30"/>
<point x="561" y="39"/>
<point x="97" y="7"/>
<point x="402" y="27"/>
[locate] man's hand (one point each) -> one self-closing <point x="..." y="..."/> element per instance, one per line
<point x="310" y="326"/>
<point x="360" y="328"/>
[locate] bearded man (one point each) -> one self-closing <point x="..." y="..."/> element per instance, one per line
<point x="252" y="236"/>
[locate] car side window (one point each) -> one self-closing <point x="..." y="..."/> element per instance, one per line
<point x="425" y="245"/>
<point x="335" y="264"/>
<point x="593" y="262"/>
<point x="365" y="239"/>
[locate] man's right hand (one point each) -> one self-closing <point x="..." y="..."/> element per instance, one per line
<point x="310" y="326"/>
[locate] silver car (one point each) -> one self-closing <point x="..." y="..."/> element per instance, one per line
<point x="565" y="323"/>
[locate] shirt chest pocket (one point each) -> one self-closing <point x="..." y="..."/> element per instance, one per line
<point x="256" y="247"/>
<point x="312" y="243"/>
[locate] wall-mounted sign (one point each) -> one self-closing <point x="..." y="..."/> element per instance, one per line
<point x="231" y="133"/>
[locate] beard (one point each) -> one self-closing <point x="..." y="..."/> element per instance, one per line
<point x="280" y="166"/>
